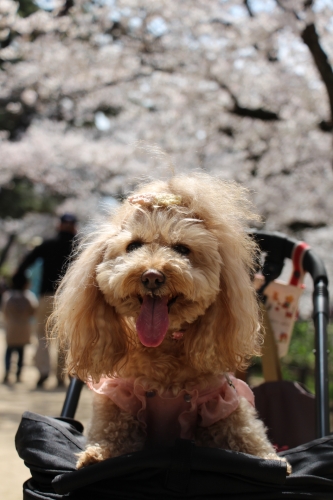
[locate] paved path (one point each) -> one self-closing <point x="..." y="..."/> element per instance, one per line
<point x="14" y="400"/>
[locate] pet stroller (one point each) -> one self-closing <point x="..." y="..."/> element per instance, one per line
<point x="48" y="445"/>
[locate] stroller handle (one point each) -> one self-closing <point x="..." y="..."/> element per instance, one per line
<point x="72" y="398"/>
<point x="279" y="247"/>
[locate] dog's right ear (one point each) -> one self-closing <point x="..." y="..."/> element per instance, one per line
<point x="91" y="332"/>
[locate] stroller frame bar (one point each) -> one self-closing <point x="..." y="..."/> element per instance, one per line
<point x="279" y="247"/>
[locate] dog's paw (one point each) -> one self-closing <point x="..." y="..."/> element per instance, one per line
<point x="273" y="456"/>
<point x="92" y="455"/>
<point x="289" y="468"/>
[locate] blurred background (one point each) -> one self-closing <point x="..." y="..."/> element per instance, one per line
<point x="90" y="90"/>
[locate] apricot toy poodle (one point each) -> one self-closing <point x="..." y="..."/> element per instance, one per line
<point x="157" y="311"/>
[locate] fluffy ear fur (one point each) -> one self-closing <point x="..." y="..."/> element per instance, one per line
<point x="227" y="335"/>
<point x="94" y="335"/>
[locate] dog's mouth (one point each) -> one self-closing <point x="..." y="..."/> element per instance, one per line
<point x="153" y="320"/>
<point x="171" y="300"/>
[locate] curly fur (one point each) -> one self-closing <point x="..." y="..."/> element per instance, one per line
<point x="214" y="304"/>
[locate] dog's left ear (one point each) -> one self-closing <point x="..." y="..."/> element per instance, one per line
<point x="227" y="335"/>
<point x="90" y="330"/>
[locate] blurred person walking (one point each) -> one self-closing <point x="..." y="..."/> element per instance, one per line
<point x="19" y="305"/>
<point x="55" y="254"/>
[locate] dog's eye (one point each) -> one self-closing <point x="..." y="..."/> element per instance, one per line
<point x="133" y="246"/>
<point x="181" y="249"/>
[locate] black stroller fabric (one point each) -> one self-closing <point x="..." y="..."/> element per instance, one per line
<point x="48" y="447"/>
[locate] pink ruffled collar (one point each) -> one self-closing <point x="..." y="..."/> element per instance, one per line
<point x="165" y="417"/>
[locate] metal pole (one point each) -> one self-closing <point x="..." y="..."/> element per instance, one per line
<point x="320" y="317"/>
<point x="72" y="398"/>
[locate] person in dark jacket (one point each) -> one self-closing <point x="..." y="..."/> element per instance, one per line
<point x="55" y="254"/>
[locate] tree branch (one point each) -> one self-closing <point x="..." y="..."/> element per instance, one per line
<point x="259" y="113"/>
<point x="68" y="4"/>
<point x="256" y="113"/>
<point x="248" y="7"/>
<point x="311" y="39"/>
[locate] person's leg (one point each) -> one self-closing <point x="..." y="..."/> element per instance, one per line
<point x="8" y="356"/>
<point x="20" y="352"/>
<point x="42" y="357"/>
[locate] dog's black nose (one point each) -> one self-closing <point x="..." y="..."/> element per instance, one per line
<point x="152" y="279"/>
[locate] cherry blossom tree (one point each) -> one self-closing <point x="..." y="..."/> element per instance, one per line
<point x="239" y="88"/>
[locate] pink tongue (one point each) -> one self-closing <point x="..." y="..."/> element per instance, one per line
<point x="153" y="321"/>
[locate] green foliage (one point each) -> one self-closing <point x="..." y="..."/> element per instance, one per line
<point x="301" y="346"/>
<point x="299" y="363"/>
<point x="26" y="7"/>
<point x="21" y="196"/>
<point x="12" y="121"/>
